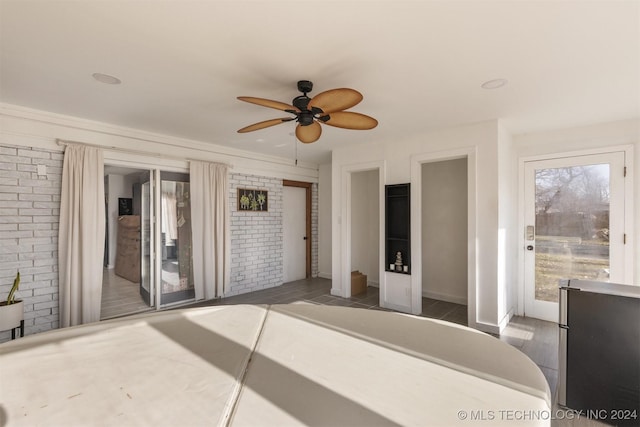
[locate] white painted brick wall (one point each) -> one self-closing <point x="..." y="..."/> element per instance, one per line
<point x="29" y="215"/>
<point x="256" y="237"/>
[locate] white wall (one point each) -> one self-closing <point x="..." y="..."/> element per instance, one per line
<point x="444" y="230"/>
<point x="479" y="138"/>
<point x="324" y="221"/>
<point x="507" y="227"/>
<point x="365" y="238"/>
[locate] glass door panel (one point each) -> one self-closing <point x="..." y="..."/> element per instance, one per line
<point x="177" y="267"/>
<point x="574" y="226"/>
<point x="571" y="227"/>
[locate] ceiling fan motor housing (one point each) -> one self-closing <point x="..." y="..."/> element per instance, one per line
<point x="305" y="86"/>
<point x="301" y="102"/>
<point x="305" y="118"/>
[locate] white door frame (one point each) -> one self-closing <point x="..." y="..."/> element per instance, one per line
<point x="629" y="225"/>
<point x="345" y="226"/>
<point x="416" y="226"/>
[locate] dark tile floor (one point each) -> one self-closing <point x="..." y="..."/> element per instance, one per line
<point x="536" y="338"/>
<point x="318" y="291"/>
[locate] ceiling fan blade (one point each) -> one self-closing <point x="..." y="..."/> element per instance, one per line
<point x="268" y="103"/>
<point x="309" y="133"/>
<point x="349" y="120"/>
<point x="334" y="100"/>
<point x="265" y="124"/>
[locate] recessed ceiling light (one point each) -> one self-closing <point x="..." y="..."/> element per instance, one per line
<point x="280" y="145"/>
<point x="259" y="140"/>
<point x="494" y="84"/>
<point x="105" y="78"/>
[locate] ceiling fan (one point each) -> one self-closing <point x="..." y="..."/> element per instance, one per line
<point x="326" y="107"/>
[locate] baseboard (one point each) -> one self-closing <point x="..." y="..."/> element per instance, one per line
<point x="489" y="328"/>
<point x="493" y="328"/>
<point x="374" y="284"/>
<point x="505" y="320"/>
<point x="324" y="275"/>
<point x="444" y="297"/>
<point x="396" y="307"/>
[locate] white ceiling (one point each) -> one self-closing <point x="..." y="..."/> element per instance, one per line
<point x="419" y="64"/>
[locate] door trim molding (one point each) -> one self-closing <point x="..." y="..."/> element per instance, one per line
<point x="417" y="160"/>
<point x="307" y="187"/>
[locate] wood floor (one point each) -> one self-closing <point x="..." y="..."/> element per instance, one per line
<point x="120" y="296"/>
<point x="535" y="338"/>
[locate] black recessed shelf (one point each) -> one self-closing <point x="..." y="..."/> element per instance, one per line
<point x="397" y="226"/>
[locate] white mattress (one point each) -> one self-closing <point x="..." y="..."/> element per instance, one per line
<point x="268" y="365"/>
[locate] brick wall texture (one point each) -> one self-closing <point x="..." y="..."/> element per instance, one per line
<point x="256" y="237"/>
<point x="29" y="215"/>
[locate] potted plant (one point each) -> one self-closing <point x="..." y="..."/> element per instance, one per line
<point x="12" y="311"/>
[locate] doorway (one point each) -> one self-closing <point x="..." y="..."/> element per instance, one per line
<point x="296" y="220"/>
<point x="127" y="273"/>
<point x="574" y="220"/>
<point x="444" y="237"/>
<point x="365" y="228"/>
<point x="148" y="264"/>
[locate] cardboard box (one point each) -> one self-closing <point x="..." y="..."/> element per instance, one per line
<point x="358" y="283"/>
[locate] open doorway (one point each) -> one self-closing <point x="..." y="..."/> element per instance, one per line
<point x="127" y="265"/>
<point x="365" y="234"/>
<point x="444" y="239"/>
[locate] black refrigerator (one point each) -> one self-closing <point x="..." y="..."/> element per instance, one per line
<point x="599" y="360"/>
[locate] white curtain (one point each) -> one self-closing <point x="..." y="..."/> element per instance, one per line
<point x="81" y="235"/>
<point x="210" y="228"/>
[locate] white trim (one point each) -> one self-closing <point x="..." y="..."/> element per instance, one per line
<point x="324" y="275"/>
<point x="416" y="226"/>
<point x="444" y="297"/>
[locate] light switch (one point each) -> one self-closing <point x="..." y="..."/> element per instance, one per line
<point x="42" y="170"/>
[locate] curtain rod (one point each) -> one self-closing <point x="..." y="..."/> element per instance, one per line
<point x="62" y="142"/>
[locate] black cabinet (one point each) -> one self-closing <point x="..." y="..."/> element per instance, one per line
<point x="398" y="227"/>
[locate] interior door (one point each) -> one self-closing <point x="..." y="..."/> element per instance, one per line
<point x="574" y="226"/>
<point x="294" y="202"/>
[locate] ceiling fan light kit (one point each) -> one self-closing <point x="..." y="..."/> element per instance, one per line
<point x="326" y="107"/>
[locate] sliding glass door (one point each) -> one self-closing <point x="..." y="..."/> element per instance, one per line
<point x="176" y="273"/>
